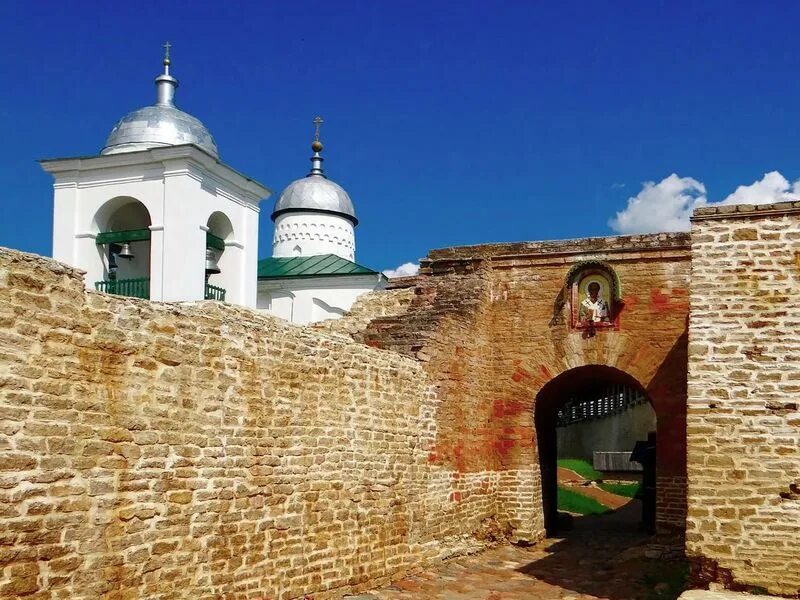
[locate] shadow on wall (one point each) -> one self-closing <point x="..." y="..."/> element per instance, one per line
<point x="668" y="392"/>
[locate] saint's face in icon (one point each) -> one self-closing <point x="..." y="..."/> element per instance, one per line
<point x="593" y="308"/>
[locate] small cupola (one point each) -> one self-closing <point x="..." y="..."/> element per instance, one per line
<point x="161" y="124"/>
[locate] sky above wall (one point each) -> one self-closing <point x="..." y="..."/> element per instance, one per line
<point x="448" y="123"/>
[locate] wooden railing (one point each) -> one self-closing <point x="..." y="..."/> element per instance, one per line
<point x="215" y="293"/>
<point x="134" y="288"/>
<point x="140" y="288"/>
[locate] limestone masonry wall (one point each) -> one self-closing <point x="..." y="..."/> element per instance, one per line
<point x="441" y="327"/>
<point x="199" y="451"/>
<point x="380" y="303"/>
<point x="744" y="383"/>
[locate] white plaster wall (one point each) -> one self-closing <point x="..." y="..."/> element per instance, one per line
<point x="179" y="195"/>
<point x="186" y="213"/>
<point x="614" y="433"/>
<point x="250" y="258"/>
<point x="314" y="234"/>
<point x="77" y="217"/>
<point x="304" y="301"/>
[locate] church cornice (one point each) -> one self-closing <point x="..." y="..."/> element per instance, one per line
<point x="199" y="160"/>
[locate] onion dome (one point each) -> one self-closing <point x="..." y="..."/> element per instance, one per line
<point x="315" y="192"/>
<point x="160" y="124"/>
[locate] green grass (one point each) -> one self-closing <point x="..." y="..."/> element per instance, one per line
<point x="574" y="502"/>
<point x="758" y="591"/>
<point x="629" y="490"/>
<point x="581" y="467"/>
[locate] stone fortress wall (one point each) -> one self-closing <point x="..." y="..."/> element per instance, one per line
<point x="491" y="326"/>
<point x="744" y="391"/>
<point x="368" y="307"/>
<point x="154" y="450"/>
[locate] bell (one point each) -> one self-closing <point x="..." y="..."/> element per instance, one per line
<point x="125" y="251"/>
<point x="211" y="262"/>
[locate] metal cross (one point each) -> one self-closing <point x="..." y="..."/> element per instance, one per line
<point x="317" y="122"/>
<point x="166" y="47"/>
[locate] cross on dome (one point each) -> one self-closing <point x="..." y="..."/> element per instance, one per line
<point x="166" y="47"/>
<point x="161" y="124"/>
<point x="316" y="146"/>
<point x="315" y="193"/>
<point x="317" y="122"/>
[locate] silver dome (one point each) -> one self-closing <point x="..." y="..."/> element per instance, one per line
<point x="315" y="193"/>
<point x="158" y="125"/>
<point x="161" y="124"/>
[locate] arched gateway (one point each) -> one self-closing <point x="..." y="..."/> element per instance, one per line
<point x="590" y="388"/>
<point x="500" y="326"/>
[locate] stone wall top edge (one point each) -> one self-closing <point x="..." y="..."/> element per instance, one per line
<point x="240" y="316"/>
<point x="44" y="262"/>
<point x="591" y="245"/>
<point x="399" y="283"/>
<point x="662" y="255"/>
<point x="732" y="211"/>
<point x="251" y="319"/>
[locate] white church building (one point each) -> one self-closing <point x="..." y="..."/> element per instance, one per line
<point x="158" y="215"/>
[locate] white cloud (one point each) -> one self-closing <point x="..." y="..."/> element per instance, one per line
<point x="773" y="187"/>
<point x="668" y="204"/>
<point x="404" y="270"/>
<point x="663" y="206"/>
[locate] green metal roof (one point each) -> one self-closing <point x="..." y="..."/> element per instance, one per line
<point x="323" y="265"/>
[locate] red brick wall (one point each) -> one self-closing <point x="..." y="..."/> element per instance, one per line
<point x="492" y="328"/>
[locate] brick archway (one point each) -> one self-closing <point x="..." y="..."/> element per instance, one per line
<point x="550" y="399"/>
<point x="492" y="325"/>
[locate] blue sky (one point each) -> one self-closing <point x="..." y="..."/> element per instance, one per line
<point x="448" y="123"/>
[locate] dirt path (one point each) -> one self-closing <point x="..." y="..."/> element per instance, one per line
<point x="568" y="476"/>
<point x="605" y="498"/>
<point x="571" y="479"/>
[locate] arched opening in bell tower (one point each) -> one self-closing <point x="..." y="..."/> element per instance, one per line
<point x="595" y="431"/>
<point x="123" y="247"/>
<point x="221" y="267"/>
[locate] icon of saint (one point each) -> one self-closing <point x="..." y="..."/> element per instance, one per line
<point x="593" y="308"/>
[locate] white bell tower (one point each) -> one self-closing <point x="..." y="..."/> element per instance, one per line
<point x="156" y="214"/>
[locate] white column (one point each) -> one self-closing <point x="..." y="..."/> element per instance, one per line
<point x="90" y="257"/>
<point x="249" y="268"/>
<point x="157" y="261"/>
<point x="184" y="241"/>
<point x="231" y="263"/>
<point x="65" y="214"/>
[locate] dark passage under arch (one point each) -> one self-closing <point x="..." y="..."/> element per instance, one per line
<point x="589" y="384"/>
